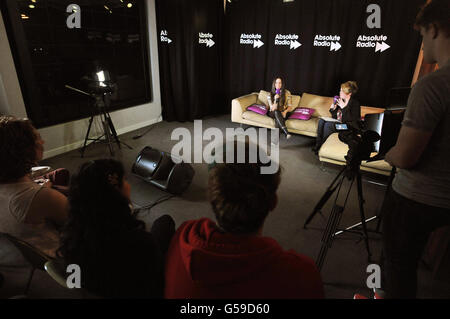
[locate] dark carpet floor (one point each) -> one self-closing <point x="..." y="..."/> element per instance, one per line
<point x="304" y="180"/>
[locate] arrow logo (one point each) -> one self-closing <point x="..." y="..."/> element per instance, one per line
<point x="381" y="47"/>
<point x="209" y="43"/>
<point x="335" y="46"/>
<point x="168" y="40"/>
<point x="257" y="44"/>
<point x="295" y="44"/>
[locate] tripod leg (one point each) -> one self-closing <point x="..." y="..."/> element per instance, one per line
<point x="361" y="211"/>
<point x="328" y="235"/>
<point x="388" y="189"/>
<point x="107" y="134"/>
<point x="112" y="128"/>
<point x="114" y="132"/>
<point x="330" y="190"/>
<point x="87" y="136"/>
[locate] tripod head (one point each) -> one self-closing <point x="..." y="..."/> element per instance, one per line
<point x="102" y="99"/>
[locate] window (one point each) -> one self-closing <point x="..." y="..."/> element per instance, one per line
<point x="49" y="55"/>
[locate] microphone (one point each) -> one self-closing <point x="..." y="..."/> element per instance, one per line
<point x="278" y="91"/>
<point x="336" y="100"/>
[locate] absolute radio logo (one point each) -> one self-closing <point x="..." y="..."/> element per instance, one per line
<point x="164" y="36"/>
<point x="331" y="41"/>
<point x="206" y="38"/>
<point x="253" y="39"/>
<point x="373" y="41"/>
<point x="287" y="40"/>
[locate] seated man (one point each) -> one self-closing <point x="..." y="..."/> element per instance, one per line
<point x="229" y="257"/>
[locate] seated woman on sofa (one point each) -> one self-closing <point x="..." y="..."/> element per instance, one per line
<point x="280" y="107"/>
<point x="345" y="109"/>
<point x="27" y="207"/>
<point x="117" y="256"/>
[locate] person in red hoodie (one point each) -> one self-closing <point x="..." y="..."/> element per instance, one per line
<point x="230" y="258"/>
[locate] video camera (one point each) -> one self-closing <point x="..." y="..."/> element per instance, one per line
<point x="360" y="141"/>
<point x="100" y="82"/>
<point x="377" y="133"/>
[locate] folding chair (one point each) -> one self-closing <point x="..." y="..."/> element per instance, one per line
<point x="32" y="255"/>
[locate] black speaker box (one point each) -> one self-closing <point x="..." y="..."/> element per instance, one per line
<point x="158" y="168"/>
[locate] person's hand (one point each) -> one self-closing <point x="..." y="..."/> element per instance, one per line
<point x="333" y="107"/>
<point x="44" y="182"/>
<point x="284" y="113"/>
<point x="48" y="183"/>
<point x="342" y="104"/>
<point x="273" y="107"/>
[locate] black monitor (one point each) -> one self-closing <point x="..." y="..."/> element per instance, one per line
<point x="387" y="125"/>
<point x="397" y="98"/>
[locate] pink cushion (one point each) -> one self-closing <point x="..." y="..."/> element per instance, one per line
<point x="258" y="108"/>
<point x="302" y="113"/>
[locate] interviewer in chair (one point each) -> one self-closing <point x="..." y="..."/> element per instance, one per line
<point x="345" y="109"/>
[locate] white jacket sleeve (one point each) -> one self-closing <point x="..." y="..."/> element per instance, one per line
<point x="269" y="99"/>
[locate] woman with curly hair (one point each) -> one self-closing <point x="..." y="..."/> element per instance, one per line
<point x="118" y="258"/>
<point x="28" y="210"/>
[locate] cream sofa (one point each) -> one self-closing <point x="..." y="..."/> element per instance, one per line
<point x="332" y="151"/>
<point x="321" y="104"/>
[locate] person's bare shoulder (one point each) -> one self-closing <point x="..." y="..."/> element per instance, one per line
<point x="48" y="204"/>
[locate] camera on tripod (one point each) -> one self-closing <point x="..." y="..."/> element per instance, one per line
<point x="360" y="141"/>
<point x="101" y="88"/>
<point x="100" y="83"/>
<point x="377" y="133"/>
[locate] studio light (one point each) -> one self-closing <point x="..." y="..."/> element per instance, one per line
<point x="129" y="5"/>
<point x="101" y="78"/>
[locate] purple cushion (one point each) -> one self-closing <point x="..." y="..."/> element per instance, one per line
<point x="258" y="108"/>
<point x="302" y="113"/>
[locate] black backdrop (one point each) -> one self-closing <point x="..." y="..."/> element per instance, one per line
<point x="318" y="70"/>
<point x="197" y="81"/>
<point x="190" y="72"/>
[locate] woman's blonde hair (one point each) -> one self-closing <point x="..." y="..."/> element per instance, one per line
<point x="349" y="87"/>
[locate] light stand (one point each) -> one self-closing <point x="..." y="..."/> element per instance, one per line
<point x="102" y="101"/>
